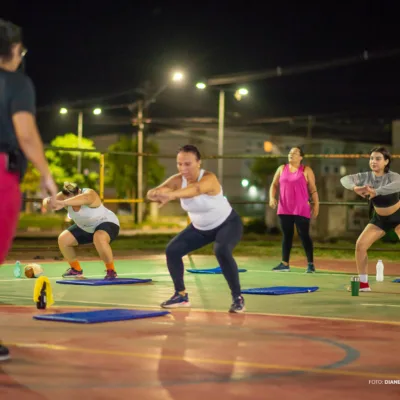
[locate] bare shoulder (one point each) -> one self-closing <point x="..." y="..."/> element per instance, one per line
<point x="210" y="177"/>
<point x="308" y="169"/>
<point x="209" y="174"/>
<point x="175" y="181"/>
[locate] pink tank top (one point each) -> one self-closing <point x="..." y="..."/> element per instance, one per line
<point x="293" y="193"/>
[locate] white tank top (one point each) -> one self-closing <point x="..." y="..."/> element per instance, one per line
<point x="88" y="218"/>
<point x="206" y="212"/>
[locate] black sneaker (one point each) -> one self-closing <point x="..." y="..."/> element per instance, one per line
<point x="4" y="353"/>
<point x="310" y="268"/>
<point x="177" y="301"/>
<point x="281" y="268"/>
<point x="237" y="305"/>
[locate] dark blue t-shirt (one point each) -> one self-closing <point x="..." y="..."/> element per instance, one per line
<point x="16" y="94"/>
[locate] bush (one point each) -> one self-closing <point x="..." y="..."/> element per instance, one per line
<point x="256" y="225"/>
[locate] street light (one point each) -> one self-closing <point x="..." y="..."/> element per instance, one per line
<point x="64" y="111"/>
<point x="177" y="76"/>
<point x="238" y="94"/>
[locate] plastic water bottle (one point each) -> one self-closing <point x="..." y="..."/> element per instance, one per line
<point x="17" y="270"/>
<point x="379" y="271"/>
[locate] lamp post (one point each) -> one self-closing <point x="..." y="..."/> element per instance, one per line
<point x="238" y="94"/>
<point x="64" y="111"/>
<point x="177" y="76"/>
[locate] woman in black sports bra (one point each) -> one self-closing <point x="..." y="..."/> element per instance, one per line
<point x="382" y="187"/>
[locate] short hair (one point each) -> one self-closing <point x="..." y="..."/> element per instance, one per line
<point x="10" y="34"/>
<point x="189" y="148"/>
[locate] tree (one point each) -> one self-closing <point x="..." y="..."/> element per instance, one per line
<point x="261" y="171"/>
<point x="122" y="169"/>
<point x="30" y="184"/>
<point x="63" y="164"/>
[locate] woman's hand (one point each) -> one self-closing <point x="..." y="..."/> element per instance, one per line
<point x="273" y="203"/>
<point x="361" y="190"/>
<point x="371" y="192"/>
<point x="57" y="204"/>
<point x="164" y="198"/>
<point x="315" y="210"/>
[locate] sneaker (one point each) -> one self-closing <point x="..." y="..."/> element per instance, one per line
<point x="281" y="268"/>
<point x="310" y="268"/>
<point x="72" y="272"/>
<point x="237" y="305"/>
<point x="111" y="274"/>
<point x="364" y="287"/>
<point x="177" y="300"/>
<point x="4" y="353"/>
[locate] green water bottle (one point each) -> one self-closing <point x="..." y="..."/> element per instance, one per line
<point x="355" y="285"/>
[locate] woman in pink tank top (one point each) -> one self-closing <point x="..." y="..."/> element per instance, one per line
<point x="296" y="184"/>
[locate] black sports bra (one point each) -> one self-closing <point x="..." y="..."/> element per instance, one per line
<point x="384" y="201"/>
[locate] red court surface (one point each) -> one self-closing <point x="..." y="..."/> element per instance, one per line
<point x="199" y="355"/>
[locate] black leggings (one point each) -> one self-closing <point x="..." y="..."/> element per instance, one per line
<point x="226" y="237"/>
<point x="303" y="229"/>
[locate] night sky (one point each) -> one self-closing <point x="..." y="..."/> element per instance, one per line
<point x="83" y="53"/>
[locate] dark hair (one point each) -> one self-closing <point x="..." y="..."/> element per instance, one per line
<point x="300" y="150"/>
<point x="189" y="148"/>
<point x="70" y="188"/>
<point x="10" y="34"/>
<point x="386" y="155"/>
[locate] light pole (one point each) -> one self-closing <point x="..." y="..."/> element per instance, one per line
<point x="238" y="94"/>
<point x="64" y="111"/>
<point x="177" y="76"/>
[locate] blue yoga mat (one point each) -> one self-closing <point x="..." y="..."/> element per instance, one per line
<point x="397" y="280"/>
<point x="217" y="270"/>
<point x="93" y="317"/>
<point x="277" y="290"/>
<point x="102" y="282"/>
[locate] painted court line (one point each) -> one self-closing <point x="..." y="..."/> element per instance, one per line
<point x="87" y="276"/>
<point x="367" y="321"/>
<point x="234" y="363"/>
<point x="340" y="274"/>
<point x="380" y="305"/>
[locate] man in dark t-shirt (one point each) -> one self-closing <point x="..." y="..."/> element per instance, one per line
<point x="19" y="138"/>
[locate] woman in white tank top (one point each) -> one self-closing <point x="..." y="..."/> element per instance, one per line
<point x="94" y="223"/>
<point x="212" y="220"/>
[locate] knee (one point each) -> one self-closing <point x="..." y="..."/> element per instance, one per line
<point x="174" y="250"/>
<point x="222" y="250"/>
<point x="361" y="246"/>
<point x="101" y="238"/>
<point x="66" y="239"/>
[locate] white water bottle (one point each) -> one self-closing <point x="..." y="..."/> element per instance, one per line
<point x="379" y="271"/>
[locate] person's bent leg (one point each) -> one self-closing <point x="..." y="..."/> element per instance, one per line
<point x="368" y="237"/>
<point x="188" y="240"/>
<point x="67" y="243"/>
<point x="102" y="240"/>
<point x="227" y="238"/>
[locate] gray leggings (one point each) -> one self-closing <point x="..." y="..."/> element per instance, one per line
<point x="225" y="238"/>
